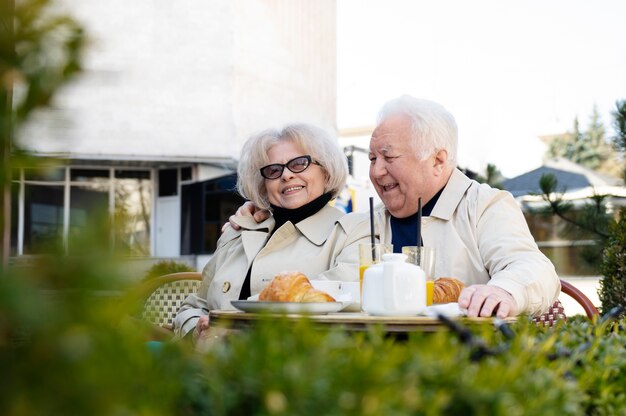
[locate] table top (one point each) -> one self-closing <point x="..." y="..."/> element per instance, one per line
<point x="353" y="321"/>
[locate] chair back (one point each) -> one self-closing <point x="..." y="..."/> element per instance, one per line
<point x="166" y="293"/>
<point x="557" y="312"/>
<point x="554" y="314"/>
<point x="576" y="294"/>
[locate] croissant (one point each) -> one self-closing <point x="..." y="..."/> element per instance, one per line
<point x="447" y="289"/>
<point x="293" y="287"/>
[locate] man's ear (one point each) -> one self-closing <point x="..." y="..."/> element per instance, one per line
<point x="440" y="160"/>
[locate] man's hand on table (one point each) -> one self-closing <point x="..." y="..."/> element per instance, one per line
<point x="248" y="209"/>
<point x="485" y="300"/>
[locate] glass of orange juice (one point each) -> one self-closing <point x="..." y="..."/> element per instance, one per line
<point x="425" y="258"/>
<point x="371" y="254"/>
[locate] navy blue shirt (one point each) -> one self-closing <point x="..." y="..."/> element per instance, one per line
<point x="404" y="230"/>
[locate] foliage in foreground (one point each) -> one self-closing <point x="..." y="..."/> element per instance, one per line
<point x="40" y="50"/>
<point x="164" y="267"/>
<point x="69" y="352"/>
<point x="612" y="291"/>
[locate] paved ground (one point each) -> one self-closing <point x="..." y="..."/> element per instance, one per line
<point x="589" y="286"/>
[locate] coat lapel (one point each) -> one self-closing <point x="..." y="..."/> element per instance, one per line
<point x="318" y="227"/>
<point x="254" y="235"/>
<point x="451" y="196"/>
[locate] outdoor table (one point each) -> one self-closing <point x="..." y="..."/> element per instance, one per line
<point x="350" y="321"/>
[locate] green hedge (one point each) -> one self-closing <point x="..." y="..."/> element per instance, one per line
<point x="71" y="353"/>
<point x="612" y="290"/>
<point x="67" y="348"/>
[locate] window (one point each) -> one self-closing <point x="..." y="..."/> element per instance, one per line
<point x="205" y="207"/>
<point x="60" y="203"/>
<point x="168" y="182"/>
<point x="132" y="215"/>
<point x="88" y="202"/>
<point x="15" y="187"/>
<point x="44" y="174"/>
<point x="186" y="174"/>
<point x="43" y="217"/>
<point x="89" y="175"/>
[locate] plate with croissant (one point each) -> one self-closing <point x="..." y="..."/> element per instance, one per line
<point x="291" y="292"/>
<point x="314" y="308"/>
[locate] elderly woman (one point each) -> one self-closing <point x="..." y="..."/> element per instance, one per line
<point x="294" y="172"/>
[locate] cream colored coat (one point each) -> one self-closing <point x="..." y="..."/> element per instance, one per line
<point x="323" y="246"/>
<point x="481" y="236"/>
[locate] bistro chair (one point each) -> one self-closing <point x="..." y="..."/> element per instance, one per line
<point x="162" y="296"/>
<point x="557" y="313"/>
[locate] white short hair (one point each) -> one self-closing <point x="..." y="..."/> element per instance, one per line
<point x="312" y="140"/>
<point x="433" y="127"/>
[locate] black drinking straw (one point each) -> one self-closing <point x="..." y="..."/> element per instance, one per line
<point x="372" y="238"/>
<point x="419" y="221"/>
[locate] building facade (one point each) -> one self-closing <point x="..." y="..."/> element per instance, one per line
<point x="149" y="134"/>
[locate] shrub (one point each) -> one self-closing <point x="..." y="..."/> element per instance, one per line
<point x="298" y="370"/>
<point x="164" y="267"/>
<point x="612" y="291"/>
<point x="69" y="352"/>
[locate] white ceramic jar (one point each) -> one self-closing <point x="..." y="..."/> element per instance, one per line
<point x="394" y="287"/>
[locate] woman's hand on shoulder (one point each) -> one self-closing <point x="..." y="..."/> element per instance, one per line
<point x="248" y="209"/>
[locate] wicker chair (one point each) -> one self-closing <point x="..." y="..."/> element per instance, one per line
<point x="164" y="294"/>
<point x="557" y="313"/>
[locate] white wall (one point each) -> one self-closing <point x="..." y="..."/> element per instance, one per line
<point x="192" y="77"/>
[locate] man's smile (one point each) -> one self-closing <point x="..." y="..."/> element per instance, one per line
<point x="388" y="187"/>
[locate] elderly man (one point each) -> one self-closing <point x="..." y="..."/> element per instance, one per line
<point x="479" y="232"/>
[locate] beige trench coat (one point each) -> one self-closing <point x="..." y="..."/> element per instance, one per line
<point x="323" y="246"/>
<point x="481" y="236"/>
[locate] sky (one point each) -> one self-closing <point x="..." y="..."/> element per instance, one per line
<point x="509" y="71"/>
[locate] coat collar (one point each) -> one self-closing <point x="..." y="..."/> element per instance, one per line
<point x="316" y="229"/>
<point x="451" y="196"/>
<point x="253" y="235"/>
<point x="318" y="226"/>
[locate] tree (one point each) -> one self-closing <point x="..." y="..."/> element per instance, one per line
<point x="619" y="124"/>
<point x="39" y="52"/>
<point x="591" y="218"/>
<point x="589" y="148"/>
<point x="492" y="177"/>
<point x="596" y="150"/>
<point x="565" y="145"/>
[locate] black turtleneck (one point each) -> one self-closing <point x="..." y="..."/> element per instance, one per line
<point x="281" y="216"/>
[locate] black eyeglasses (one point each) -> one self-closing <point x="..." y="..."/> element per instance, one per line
<point x="296" y="165"/>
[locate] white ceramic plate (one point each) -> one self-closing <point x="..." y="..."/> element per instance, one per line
<point x="288" y="307"/>
<point x="351" y="307"/>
